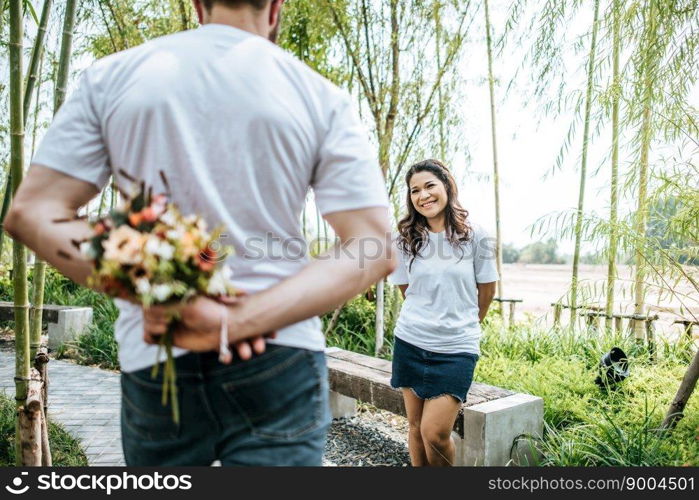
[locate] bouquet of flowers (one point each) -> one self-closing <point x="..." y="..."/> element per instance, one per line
<point x="148" y="251"/>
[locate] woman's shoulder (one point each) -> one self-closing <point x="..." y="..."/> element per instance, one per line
<point x="478" y="231"/>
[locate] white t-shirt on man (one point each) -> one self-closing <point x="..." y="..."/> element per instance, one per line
<point x="241" y="130"/>
<point x="440" y="311"/>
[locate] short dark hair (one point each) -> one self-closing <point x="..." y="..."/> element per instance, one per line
<point x="257" y="4"/>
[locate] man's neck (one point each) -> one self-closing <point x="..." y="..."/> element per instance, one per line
<point x="244" y="19"/>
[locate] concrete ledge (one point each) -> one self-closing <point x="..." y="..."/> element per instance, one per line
<point x="342" y="406"/>
<point x="490" y="429"/>
<point x="71" y="322"/>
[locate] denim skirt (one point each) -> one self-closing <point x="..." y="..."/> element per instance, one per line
<point x="432" y="374"/>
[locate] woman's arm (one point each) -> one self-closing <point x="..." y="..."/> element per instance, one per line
<point x="403" y="288"/>
<point x="486" y="292"/>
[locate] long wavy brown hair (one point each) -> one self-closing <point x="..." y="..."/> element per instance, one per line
<point x="413" y="228"/>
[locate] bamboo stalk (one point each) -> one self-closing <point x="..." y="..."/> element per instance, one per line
<point x="333" y="320"/>
<point x="613" y="211"/>
<point x="379" y="317"/>
<point x="641" y="215"/>
<point x="440" y="96"/>
<point x="583" y="165"/>
<point x="496" y="170"/>
<point x="36" y="311"/>
<point x="66" y="50"/>
<point x="61" y="84"/>
<point x="37" y="53"/>
<point x="19" y="252"/>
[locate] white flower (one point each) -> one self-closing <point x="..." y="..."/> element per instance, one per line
<point x="156" y="246"/>
<point x="220" y="281"/>
<point x="168" y="218"/>
<point x="87" y="250"/>
<point x="143" y="286"/>
<point x="174" y="235"/>
<point x="162" y="292"/>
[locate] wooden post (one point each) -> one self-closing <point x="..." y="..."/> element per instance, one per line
<point x="650" y="335"/>
<point x="557" y="308"/>
<point x="512" y="314"/>
<point x="618" y="324"/>
<point x="30" y="422"/>
<point x="590" y="320"/>
<point x="687" y="326"/>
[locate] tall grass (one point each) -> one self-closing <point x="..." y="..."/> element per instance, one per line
<point x="586" y="425"/>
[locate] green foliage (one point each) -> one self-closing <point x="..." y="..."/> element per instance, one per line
<point x="355" y="327"/>
<point x="65" y="450"/>
<point x="540" y="252"/>
<point x="510" y="253"/>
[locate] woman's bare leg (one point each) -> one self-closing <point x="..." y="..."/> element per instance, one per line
<point x="413" y="406"/>
<point x="438" y="416"/>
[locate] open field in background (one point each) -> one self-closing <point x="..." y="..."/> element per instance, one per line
<point x="539" y="285"/>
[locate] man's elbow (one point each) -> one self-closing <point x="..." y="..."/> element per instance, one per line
<point x="11" y="223"/>
<point x="17" y="221"/>
<point x="390" y="263"/>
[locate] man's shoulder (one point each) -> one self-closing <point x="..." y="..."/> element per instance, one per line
<point x="301" y="70"/>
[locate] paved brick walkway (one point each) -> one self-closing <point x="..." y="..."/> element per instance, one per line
<point x="85" y="400"/>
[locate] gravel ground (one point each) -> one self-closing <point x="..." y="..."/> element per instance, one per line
<point x="370" y="438"/>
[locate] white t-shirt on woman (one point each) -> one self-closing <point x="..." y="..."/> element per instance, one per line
<point x="440" y="312"/>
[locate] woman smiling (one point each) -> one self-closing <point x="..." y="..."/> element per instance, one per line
<point x="447" y="275"/>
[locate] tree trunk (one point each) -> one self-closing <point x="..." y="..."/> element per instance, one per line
<point x="642" y="207"/>
<point x="613" y="237"/>
<point x="19" y="252"/>
<point x="689" y="381"/>
<point x="496" y="171"/>
<point x="583" y="167"/>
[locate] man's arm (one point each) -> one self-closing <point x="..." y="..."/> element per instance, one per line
<point x="320" y="287"/>
<point x="44" y="197"/>
<point x="486" y="292"/>
<point x="32" y="221"/>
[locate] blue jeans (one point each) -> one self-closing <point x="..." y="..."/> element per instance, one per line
<point x="270" y="410"/>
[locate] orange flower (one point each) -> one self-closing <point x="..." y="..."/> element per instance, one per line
<point x="135" y="218"/>
<point x="206" y="260"/>
<point x="149" y="214"/>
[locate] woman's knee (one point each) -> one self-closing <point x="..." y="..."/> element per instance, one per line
<point x="434" y="435"/>
<point x="414" y="427"/>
